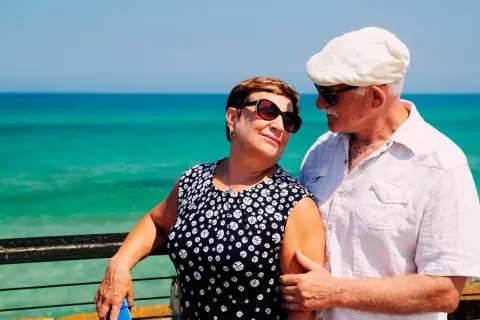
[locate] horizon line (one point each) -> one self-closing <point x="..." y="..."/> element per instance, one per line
<point x="194" y="93"/>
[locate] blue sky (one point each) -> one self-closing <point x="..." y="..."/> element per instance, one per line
<point x="209" y="46"/>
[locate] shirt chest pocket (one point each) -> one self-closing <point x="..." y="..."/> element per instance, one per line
<point x="385" y="206"/>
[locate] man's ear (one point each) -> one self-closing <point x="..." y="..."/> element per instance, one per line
<point x="379" y="97"/>
<point x="232" y="117"/>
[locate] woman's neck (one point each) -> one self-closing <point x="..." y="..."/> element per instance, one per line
<point x="245" y="171"/>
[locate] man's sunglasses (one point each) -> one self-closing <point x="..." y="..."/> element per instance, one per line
<point x="269" y="111"/>
<point x="330" y="97"/>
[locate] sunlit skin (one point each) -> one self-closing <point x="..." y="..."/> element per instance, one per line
<point x="255" y="148"/>
<point x="351" y="108"/>
<point x="260" y="140"/>
<point x="368" y="116"/>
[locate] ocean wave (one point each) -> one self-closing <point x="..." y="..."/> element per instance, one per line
<point x="32" y="191"/>
<point x="122" y="167"/>
<point x="111" y="173"/>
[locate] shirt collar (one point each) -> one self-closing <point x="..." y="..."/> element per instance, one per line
<point x="409" y="133"/>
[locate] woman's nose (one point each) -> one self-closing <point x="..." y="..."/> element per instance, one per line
<point x="277" y="124"/>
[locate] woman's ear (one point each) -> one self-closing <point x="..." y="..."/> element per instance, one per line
<point x="232" y="118"/>
<point x="379" y="97"/>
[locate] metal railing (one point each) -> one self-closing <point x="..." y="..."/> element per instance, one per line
<point x="96" y="246"/>
<point x="66" y="248"/>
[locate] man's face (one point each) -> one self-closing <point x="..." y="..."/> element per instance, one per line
<point x="350" y="112"/>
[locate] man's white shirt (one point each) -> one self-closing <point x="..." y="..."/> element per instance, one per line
<point x="410" y="207"/>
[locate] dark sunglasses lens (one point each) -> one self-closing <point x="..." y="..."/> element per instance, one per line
<point x="327" y="96"/>
<point x="289" y="124"/>
<point x="267" y="110"/>
<point x="292" y="122"/>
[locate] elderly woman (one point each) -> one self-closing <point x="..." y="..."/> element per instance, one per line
<point x="231" y="226"/>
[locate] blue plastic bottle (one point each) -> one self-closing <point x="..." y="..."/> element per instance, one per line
<point x="124" y="312"/>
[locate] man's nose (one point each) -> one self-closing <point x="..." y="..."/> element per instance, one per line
<point x="321" y="103"/>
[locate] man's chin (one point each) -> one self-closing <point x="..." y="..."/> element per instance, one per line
<point x="334" y="128"/>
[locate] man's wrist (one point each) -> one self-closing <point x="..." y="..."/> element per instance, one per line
<point x="340" y="294"/>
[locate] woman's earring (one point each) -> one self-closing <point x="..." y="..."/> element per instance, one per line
<point x="231" y="135"/>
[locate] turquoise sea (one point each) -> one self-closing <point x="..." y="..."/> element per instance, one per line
<point x="96" y="163"/>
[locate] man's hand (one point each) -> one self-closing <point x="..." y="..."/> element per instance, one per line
<point x="313" y="290"/>
<point x="116" y="285"/>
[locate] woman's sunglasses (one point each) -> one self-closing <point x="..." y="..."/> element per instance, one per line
<point x="330" y="97"/>
<point x="269" y="111"/>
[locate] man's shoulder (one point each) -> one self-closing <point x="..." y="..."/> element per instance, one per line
<point x="435" y="149"/>
<point x="325" y="139"/>
<point x="320" y="153"/>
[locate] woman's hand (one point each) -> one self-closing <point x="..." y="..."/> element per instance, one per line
<point x="116" y="285"/>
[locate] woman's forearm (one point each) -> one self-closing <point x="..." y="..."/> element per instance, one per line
<point x="149" y="234"/>
<point x="144" y="238"/>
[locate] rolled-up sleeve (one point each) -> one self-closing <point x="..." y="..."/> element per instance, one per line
<point x="449" y="237"/>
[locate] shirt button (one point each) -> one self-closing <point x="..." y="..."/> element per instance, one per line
<point x="345" y="161"/>
<point x="362" y="165"/>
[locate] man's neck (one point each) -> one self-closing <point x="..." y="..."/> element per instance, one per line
<point x="364" y="143"/>
<point x="382" y="127"/>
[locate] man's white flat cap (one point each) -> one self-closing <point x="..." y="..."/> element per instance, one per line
<point x="369" y="56"/>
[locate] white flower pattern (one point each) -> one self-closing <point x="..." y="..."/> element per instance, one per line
<point x="225" y="247"/>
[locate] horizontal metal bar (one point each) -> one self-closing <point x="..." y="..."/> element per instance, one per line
<point x="62" y="248"/>
<point x="71" y="304"/>
<point x="470" y="294"/>
<point x="78" y="284"/>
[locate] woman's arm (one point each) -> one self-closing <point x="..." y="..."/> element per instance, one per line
<point x="150" y="233"/>
<point x="304" y="231"/>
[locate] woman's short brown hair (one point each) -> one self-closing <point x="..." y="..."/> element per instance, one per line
<point x="242" y="91"/>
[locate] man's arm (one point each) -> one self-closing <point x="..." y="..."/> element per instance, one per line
<point x="401" y="295"/>
<point x="447" y="245"/>
<point x="411" y="294"/>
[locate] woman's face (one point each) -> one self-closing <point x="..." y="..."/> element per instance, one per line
<point x="261" y="137"/>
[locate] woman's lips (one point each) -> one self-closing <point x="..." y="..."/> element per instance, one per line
<point x="273" y="139"/>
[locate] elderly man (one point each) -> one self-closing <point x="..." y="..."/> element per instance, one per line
<point x="397" y="197"/>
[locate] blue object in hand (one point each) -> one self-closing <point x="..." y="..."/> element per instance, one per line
<point x="124" y="312"/>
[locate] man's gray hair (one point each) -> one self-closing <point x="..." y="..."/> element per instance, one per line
<point x="395" y="87"/>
